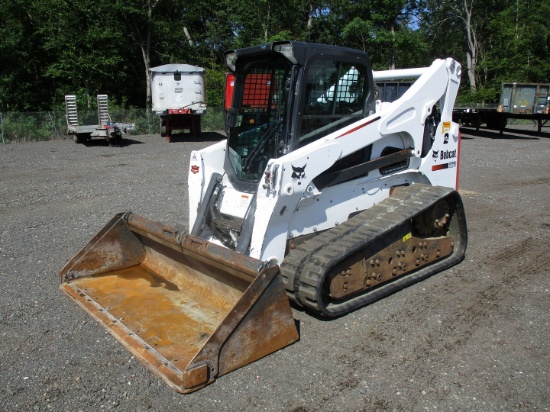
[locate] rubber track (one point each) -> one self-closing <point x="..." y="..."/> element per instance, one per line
<point x="305" y="268"/>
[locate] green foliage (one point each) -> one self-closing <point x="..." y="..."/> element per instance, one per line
<point x="212" y="120"/>
<point x="479" y="97"/>
<point x="20" y="127"/>
<point x="49" y="48"/>
<point x="215" y="82"/>
<point x="144" y="123"/>
<point x="521" y="43"/>
<point x="22" y="84"/>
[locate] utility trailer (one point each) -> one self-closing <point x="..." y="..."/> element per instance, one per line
<point x="105" y="127"/>
<point x="178" y="97"/>
<point x="528" y="101"/>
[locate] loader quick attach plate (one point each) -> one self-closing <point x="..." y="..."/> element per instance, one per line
<point x="188" y="309"/>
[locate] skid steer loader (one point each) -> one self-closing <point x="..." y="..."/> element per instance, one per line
<point x="321" y="193"/>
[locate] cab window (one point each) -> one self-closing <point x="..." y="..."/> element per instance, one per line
<point x="334" y="97"/>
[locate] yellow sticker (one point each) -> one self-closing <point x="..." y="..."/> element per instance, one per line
<point x="446" y="127"/>
<point x="407" y="237"/>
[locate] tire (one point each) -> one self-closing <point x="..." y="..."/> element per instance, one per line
<point x="196" y="126"/>
<point x="496" y="123"/>
<point x="79" y="138"/>
<point x="114" y="140"/>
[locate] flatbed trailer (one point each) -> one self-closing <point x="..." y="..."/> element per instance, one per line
<point x="527" y="101"/>
<point x="106" y="128"/>
<point x="494" y="119"/>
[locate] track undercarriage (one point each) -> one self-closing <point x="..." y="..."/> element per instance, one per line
<point x="418" y="231"/>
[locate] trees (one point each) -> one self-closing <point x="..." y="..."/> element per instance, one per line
<point x="81" y="48"/>
<point x="458" y="20"/>
<point x="49" y="48"/>
<point x="22" y="83"/>
<point x="520" y="45"/>
<point x="498" y="40"/>
<point x="386" y="30"/>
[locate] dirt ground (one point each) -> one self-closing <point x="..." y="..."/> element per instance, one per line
<point x="473" y="338"/>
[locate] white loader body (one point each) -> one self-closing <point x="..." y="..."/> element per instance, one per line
<point x="290" y="205"/>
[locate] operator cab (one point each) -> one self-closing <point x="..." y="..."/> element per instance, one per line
<point x="287" y="95"/>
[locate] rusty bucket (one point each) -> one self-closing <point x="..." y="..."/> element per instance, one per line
<point x="190" y="310"/>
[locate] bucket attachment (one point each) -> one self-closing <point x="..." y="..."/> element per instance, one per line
<point x="190" y="310"/>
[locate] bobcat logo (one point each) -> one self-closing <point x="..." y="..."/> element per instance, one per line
<point x="435" y="154"/>
<point x="298" y="173"/>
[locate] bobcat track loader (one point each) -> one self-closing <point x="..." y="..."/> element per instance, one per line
<point x="320" y="193"/>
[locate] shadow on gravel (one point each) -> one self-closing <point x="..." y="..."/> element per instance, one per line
<point x="103" y="143"/>
<point x="204" y="137"/>
<point x="469" y="133"/>
<point x="527" y="132"/>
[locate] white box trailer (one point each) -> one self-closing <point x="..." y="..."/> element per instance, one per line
<point x="178" y="97"/>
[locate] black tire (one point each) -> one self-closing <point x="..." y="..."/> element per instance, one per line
<point x="115" y="140"/>
<point x="79" y="138"/>
<point x="496" y="122"/>
<point x="196" y="126"/>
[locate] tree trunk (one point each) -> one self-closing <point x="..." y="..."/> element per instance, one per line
<point x="188" y="36"/>
<point x="147" y="63"/>
<point x="146" y="50"/>
<point x="392" y="49"/>
<point x="471" y="44"/>
<point x="266" y="27"/>
<point x="310" y="16"/>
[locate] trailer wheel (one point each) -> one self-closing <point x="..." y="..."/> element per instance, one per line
<point x="79" y="138"/>
<point x="162" y="128"/>
<point x="115" y="138"/>
<point x="496" y="123"/>
<point x="196" y="126"/>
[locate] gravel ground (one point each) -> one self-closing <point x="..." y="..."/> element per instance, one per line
<point x="472" y="338"/>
